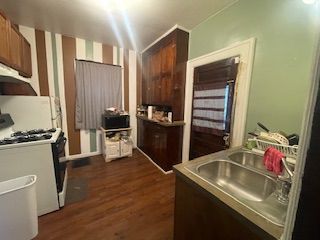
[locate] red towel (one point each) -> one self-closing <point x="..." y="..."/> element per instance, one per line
<point x="272" y="160"/>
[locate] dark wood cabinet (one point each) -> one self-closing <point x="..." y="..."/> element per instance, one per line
<point x="163" y="84"/>
<point x="26" y="66"/>
<point x="15" y="50"/>
<point x="161" y="143"/>
<point x="4" y="39"/>
<point x="200" y="215"/>
<point x="163" y="72"/>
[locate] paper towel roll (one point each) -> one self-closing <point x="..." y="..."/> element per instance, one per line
<point x="150" y="112"/>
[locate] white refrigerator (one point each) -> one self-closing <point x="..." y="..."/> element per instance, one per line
<point x="32" y="112"/>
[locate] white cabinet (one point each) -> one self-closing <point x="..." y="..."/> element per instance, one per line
<point x="126" y="148"/>
<point x="112" y="149"/>
<point x="116" y="149"/>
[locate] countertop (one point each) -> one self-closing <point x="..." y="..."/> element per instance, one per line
<point x="165" y="124"/>
<point x="271" y="228"/>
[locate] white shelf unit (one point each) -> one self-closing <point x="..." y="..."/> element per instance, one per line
<point x="116" y="149"/>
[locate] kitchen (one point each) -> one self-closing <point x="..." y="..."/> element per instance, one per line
<point x="274" y="46"/>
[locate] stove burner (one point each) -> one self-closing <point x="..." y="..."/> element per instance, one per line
<point x="22" y="139"/>
<point x="36" y="131"/>
<point x="28" y="136"/>
<point x="47" y="135"/>
<point x="19" y="133"/>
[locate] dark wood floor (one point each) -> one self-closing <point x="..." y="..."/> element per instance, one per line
<point x="127" y="199"/>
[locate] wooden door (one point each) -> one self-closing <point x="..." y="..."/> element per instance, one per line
<point x="167" y="65"/>
<point x="4" y="39"/>
<point x="15" y="48"/>
<point x="212" y="107"/>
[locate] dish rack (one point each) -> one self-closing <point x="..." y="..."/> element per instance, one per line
<point x="289" y="151"/>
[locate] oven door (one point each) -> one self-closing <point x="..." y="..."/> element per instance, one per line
<point x="59" y="167"/>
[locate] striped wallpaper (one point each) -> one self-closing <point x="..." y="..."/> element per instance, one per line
<point x="53" y="75"/>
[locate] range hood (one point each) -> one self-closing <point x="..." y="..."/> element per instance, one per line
<point x="10" y="75"/>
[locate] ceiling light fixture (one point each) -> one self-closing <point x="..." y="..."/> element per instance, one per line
<point x="309" y="1"/>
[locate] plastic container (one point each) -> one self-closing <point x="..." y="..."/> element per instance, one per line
<point x="18" y="208"/>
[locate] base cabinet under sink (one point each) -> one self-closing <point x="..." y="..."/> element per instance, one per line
<point x="200" y="215"/>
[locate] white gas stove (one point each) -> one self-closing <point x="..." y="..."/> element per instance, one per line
<point x="35" y="152"/>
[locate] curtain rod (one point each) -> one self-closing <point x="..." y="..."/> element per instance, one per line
<point x="82" y="60"/>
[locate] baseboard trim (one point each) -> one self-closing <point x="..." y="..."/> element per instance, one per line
<point x="81" y="155"/>
<point x="164" y="172"/>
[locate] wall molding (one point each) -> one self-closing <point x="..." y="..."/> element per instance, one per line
<point x="164" y="35"/>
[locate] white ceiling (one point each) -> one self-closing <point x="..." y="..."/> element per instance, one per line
<point x="92" y="19"/>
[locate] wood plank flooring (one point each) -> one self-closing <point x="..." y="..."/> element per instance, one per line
<point x="127" y="198"/>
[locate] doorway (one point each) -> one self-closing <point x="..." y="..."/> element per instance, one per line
<point x="245" y="50"/>
<point x="212" y="109"/>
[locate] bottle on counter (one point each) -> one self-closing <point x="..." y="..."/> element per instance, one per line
<point x="170" y="117"/>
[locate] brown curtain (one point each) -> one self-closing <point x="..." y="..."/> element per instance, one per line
<point x="98" y="86"/>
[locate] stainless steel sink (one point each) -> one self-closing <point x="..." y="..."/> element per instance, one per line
<point x="248" y="159"/>
<point x="241" y="174"/>
<point x="237" y="180"/>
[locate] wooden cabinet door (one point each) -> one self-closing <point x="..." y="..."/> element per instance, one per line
<point x="159" y="145"/>
<point x="167" y="66"/>
<point x="168" y="58"/>
<point x="15" y="48"/>
<point x="4" y="39"/>
<point x="26" y="67"/>
<point x="146" y="79"/>
<point x="155" y="82"/>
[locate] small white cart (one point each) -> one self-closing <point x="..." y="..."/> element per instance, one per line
<point x="116" y="149"/>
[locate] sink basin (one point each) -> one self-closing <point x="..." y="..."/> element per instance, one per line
<point x="241" y="174"/>
<point x="237" y="180"/>
<point x="249" y="159"/>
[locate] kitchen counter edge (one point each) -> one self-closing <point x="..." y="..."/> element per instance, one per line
<point x="164" y="124"/>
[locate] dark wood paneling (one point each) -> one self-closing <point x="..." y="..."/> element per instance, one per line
<point x="107" y="54"/>
<point x="182" y="41"/>
<point x="42" y="62"/>
<point x="126" y="199"/>
<point x="199" y="215"/>
<point x="139" y="79"/>
<point x="69" y="55"/>
<point x="126" y="79"/>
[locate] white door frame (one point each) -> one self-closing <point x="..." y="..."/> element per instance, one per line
<point x="243" y="49"/>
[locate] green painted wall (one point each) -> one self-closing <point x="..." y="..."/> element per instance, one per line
<point x="286" y="33"/>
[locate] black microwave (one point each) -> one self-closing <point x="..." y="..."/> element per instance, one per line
<point x="110" y="121"/>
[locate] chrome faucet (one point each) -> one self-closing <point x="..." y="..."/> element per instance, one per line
<point x="284" y="182"/>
